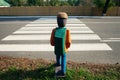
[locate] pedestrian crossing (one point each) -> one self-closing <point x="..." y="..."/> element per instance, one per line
<point x="29" y="30"/>
<point x="47" y="37"/>
<point x="40" y="30"/>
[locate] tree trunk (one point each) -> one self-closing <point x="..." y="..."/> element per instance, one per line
<point x="105" y="7"/>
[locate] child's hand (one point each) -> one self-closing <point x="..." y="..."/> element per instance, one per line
<point x="67" y="45"/>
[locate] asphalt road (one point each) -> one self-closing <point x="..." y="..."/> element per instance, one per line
<point x="107" y="28"/>
<point x="109" y="31"/>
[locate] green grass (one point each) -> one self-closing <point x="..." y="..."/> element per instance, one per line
<point x="47" y="73"/>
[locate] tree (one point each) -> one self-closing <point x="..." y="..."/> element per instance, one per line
<point x="35" y="2"/>
<point x="39" y="3"/>
<point x="47" y="3"/>
<point x="99" y="3"/>
<point x="71" y="2"/>
<point x="77" y="3"/>
<point x="105" y="7"/>
<point x="23" y="3"/>
<point x="117" y="2"/>
<point x="108" y="4"/>
<point x="17" y="2"/>
<point x="74" y="2"/>
<point x="64" y="3"/>
<point x="14" y="2"/>
<point x="31" y="2"/>
<point x="54" y="2"/>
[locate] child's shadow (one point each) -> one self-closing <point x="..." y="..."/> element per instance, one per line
<point x="44" y="73"/>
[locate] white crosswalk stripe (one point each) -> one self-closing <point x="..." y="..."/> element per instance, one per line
<point x="53" y="20"/>
<point x="29" y="30"/>
<point x="46" y="47"/>
<point x="51" y="25"/>
<point x="40" y="30"/>
<point x="47" y="37"/>
<point x="48" y="31"/>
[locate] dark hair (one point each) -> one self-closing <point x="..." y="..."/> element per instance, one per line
<point x="61" y="22"/>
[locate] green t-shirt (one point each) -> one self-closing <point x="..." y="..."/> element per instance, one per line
<point x="60" y="38"/>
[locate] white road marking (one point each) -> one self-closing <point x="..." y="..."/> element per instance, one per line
<point x="45" y="25"/>
<point x="49" y="25"/>
<point x="90" y="47"/>
<point x="110" y="40"/>
<point x="55" y="21"/>
<point x="48" y="47"/>
<point x="50" y="28"/>
<point x="47" y="37"/>
<point x="85" y="37"/>
<point x="26" y="47"/>
<point x="29" y="30"/>
<point x="54" y="17"/>
<point x="48" y="31"/>
<point x="103" y="22"/>
<point x="50" y="20"/>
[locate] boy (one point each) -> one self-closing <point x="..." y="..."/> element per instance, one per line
<point x="61" y="40"/>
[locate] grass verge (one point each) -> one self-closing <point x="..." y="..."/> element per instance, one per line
<point x="39" y="69"/>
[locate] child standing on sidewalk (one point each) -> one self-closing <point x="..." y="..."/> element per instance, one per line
<point x="61" y="40"/>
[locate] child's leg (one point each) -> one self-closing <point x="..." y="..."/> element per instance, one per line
<point x="58" y="60"/>
<point x="63" y="66"/>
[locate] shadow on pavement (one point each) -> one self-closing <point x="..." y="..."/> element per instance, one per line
<point x="17" y="19"/>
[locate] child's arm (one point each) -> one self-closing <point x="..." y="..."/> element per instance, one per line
<point x="52" y="37"/>
<point x="68" y="39"/>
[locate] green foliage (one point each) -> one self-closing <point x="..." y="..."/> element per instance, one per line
<point x="14" y="2"/>
<point x="71" y="2"/>
<point x="31" y="2"/>
<point x="54" y="2"/>
<point x="47" y="73"/>
<point x="17" y="2"/>
<point x="117" y="2"/>
<point x="98" y="3"/>
<point x="64" y="3"/>
<point x="42" y="73"/>
<point x="101" y="3"/>
<point x="85" y="74"/>
<point x="39" y="2"/>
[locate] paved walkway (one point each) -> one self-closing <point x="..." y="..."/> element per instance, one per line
<point x="43" y="27"/>
<point x="34" y="37"/>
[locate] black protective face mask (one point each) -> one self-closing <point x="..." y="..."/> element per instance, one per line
<point x="61" y="22"/>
